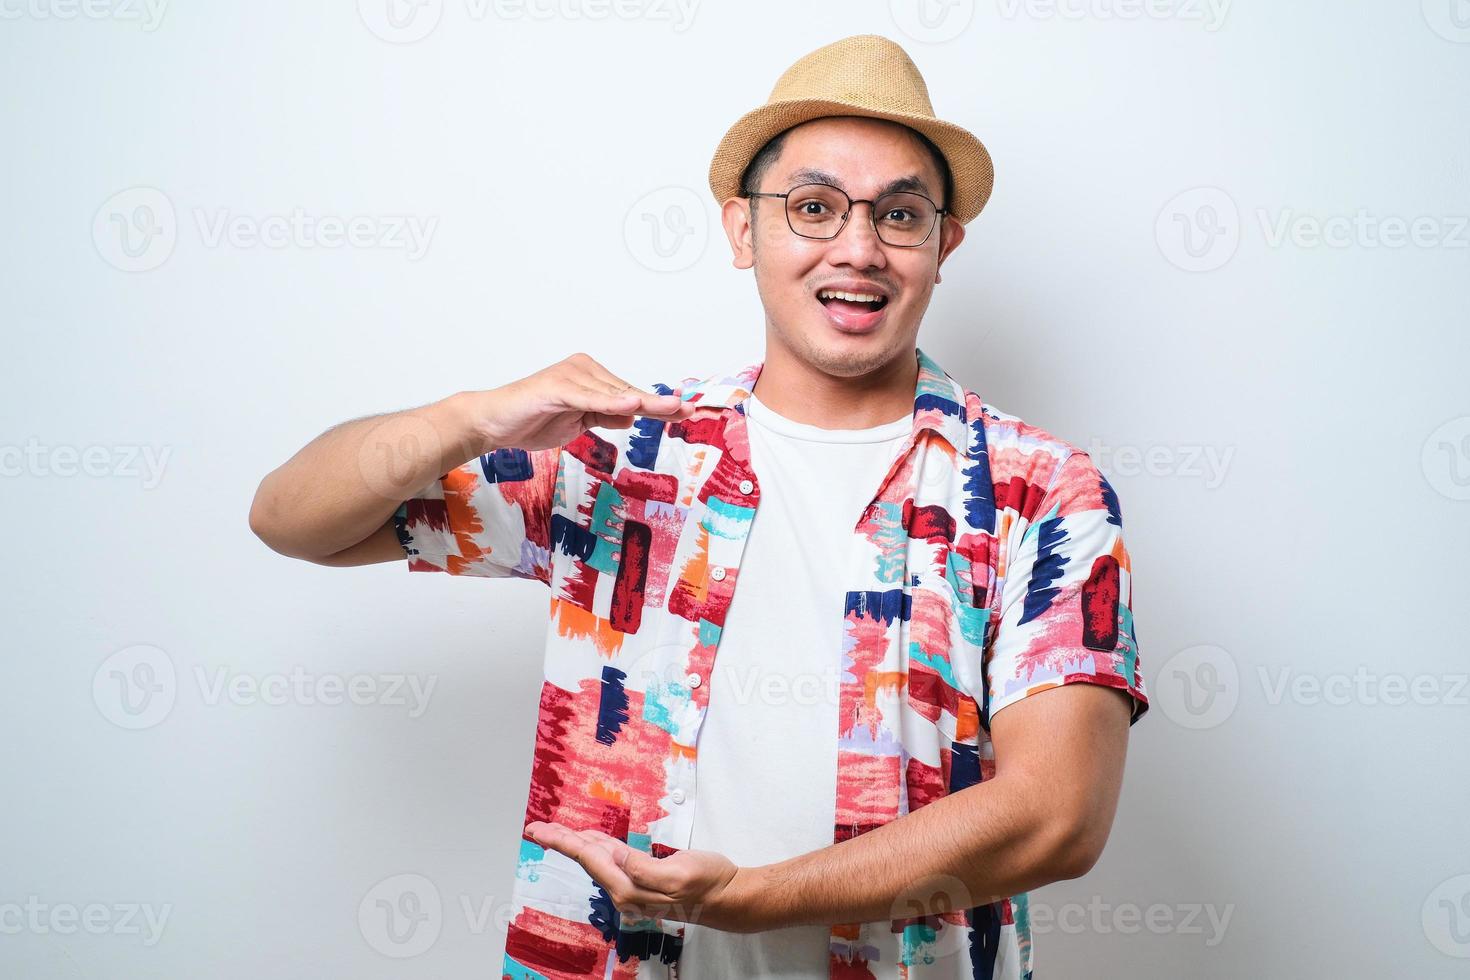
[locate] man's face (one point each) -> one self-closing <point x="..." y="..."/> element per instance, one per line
<point x="864" y="157"/>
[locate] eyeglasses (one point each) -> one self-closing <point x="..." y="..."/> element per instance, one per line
<point x="904" y="219"/>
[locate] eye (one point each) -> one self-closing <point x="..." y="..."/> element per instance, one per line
<point x="812" y="203"/>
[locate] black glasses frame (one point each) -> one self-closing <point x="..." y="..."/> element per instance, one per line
<point x="872" y="213"/>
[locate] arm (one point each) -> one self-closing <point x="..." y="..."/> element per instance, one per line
<point x="1043" y="817"/>
<point x="331" y="502"/>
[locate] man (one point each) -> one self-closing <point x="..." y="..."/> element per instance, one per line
<point x="868" y="785"/>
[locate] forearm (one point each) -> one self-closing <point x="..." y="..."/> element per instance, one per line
<point x="344" y="484"/>
<point x="986" y="842"/>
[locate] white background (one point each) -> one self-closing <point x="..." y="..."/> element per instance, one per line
<point x="1310" y="829"/>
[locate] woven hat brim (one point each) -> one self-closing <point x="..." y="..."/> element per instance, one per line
<point x="969" y="161"/>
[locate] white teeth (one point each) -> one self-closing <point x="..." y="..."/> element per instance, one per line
<point x="850" y="297"/>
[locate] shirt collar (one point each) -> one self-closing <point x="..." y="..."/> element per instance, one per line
<point x="939" y="400"/>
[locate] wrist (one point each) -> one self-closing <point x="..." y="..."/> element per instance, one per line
<point x="750" y="908"/>
<point x="468" y="411"/>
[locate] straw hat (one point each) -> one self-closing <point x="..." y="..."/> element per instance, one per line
<point x="863" y="75"/>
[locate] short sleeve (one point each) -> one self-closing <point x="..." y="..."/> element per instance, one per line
<point x="491" y="517"/>
<point x="1066" y="604"/>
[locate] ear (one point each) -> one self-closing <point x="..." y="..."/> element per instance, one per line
<point x="735" y="215"/>
<point x="951" y="233"/>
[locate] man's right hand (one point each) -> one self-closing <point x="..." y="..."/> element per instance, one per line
<point x="557" y="404"/>
<point x="332" y="503"/>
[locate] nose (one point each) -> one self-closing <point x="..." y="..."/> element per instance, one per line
<point x="858" y="244"/>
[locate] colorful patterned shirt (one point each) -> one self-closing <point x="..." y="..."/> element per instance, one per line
<point x="988" y="566"/>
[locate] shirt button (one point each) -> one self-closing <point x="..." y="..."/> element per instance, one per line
<point x="717" y="573"/>
<point x="694" y="680"/>
<point x="677" y="796"/>
<point x="746" y="486"/>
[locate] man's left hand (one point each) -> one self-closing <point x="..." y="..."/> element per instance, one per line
<point x="703" y="887"/>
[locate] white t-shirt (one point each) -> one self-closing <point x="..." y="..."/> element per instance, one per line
<point x="767" y="775"/>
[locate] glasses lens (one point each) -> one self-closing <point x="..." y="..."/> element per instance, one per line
<point x="816" y="210"/>
<point x="903" y="219"/>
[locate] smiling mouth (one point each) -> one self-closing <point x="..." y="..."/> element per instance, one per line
<point x="837" y="305"/>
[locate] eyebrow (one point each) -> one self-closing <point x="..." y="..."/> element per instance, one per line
<point x="911" y="182"/>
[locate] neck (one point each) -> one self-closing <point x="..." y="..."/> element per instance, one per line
<point x="805" y="392"/>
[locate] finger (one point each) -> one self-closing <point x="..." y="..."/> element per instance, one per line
<point x="667" y="407"/>
<point x="599" y="377"/>
<point x="641" y="877"/>
<point x="583" y="398"/>
<point x="640" y="866"/>
<point x="664" y="406"/>
<point x="606" y="421"/>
